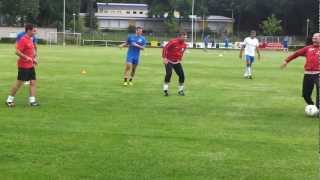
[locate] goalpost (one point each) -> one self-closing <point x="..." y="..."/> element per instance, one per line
<point x="56" y="38"/>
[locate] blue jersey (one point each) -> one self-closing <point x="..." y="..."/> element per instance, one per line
<point x="21" y="34"/>
<point x="134" y="52"/>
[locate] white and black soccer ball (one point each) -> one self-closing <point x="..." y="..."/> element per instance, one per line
<point x="311" y="110"/>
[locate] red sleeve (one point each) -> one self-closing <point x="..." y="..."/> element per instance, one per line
<point x="300" y="52"/>
<point x="166" y="48"/>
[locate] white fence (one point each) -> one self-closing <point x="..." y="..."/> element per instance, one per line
<point x="11" y="32"/>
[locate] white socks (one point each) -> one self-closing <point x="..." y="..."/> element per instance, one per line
<point x="32" y="99"/>
<point x="248" y="71"/>
<point x="245" y="71"/>
<point x="166" y="87"/>
<point x="10" y="98"/>
<point x="181" y="87"/>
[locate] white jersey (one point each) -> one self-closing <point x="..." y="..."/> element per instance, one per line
<point x="250" y="46"/>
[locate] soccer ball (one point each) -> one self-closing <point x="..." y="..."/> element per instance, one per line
<point x="311" y="110"/>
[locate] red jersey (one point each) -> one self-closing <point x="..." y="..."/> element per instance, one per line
<point x="26" y="47"/>
<point x="173" y="51"/>
<point x="312" y="57"/>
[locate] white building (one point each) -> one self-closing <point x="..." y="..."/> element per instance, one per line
<point x="119" y="16"/>
<point x="122" y="10"/>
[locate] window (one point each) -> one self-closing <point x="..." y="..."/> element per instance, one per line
<point x="134" y="12"/>
<point x="128" y="12"/>
<point x="140" y="12"/>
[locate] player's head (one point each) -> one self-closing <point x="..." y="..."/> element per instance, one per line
<point x="253" y="33"/>
<point x="139" y="30"/>
<point x="30" y="30"/>
<point x="316" y="39"/>
<point x="183" y="36"/>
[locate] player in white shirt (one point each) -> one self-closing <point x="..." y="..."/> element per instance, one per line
<point x="250" y="46"/>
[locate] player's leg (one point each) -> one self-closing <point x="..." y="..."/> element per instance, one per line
<point x="13" y="92"/>
<point x="249" y="64"/>
<point x="133" y="71"/>
<point x="317" y="83"/>
<point x="127" y="71"/>
<point x="246" y="66"/>
<point x="32" y="88"/>
<point x="307" y="88"/>
<point x="167" y="78"/>
<point x="22" y="77"/>
<point x="179" y="71"/>
<point x="32" y="93"/>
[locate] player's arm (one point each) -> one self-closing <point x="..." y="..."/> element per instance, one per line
<point x="300" y="52"/>
<point x="20" y="54"/>
<point x="137" y="45"/>
<point x="258" y="52"/>
<point x="125" y="44"/>
<point x="241" y="51"/>
<point x="164" y="55"/>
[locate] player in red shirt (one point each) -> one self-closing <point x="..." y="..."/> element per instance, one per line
<point x="26" y="52"/>
<point x="172" y="56"/>
<point x="311" y="68"/>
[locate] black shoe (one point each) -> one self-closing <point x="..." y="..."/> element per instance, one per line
<point x="10" y="104"/>
<point x="250" y="77"/>
<point x="34" y="104"/>
<point x="181" y="93"/>
<point x="166" y="93"/>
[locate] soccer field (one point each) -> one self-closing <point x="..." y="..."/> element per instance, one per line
<point x="91" y="127"/>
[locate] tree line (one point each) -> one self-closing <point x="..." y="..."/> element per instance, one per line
<point x="248" y="14"/>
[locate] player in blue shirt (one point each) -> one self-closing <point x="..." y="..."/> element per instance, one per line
<point x="136" y="43"/>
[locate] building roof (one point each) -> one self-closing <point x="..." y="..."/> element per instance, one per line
<point x="209" y="19"/>
<point x="123" y="4"/>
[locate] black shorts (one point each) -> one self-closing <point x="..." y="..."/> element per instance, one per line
<point x="26" y="74"/>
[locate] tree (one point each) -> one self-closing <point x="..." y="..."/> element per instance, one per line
<point x="29" y="11"/>
<point x="271" y="26"/>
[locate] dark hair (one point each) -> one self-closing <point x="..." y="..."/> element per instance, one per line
<point x="138" y="27"/>
<point x="28" y="27"/>
<point x="183" y="33"/>
<point x="253" y="31"/>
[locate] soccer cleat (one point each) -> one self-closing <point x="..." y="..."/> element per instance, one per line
<point x="131" y="83"/>
<point x="166" y="93"/>
<point x="250" y="77"/>
<point x="10" y="104"/>
<point x="125" y="83"/>
<point x="181" y="93"/>
<point x="34" y="104"/>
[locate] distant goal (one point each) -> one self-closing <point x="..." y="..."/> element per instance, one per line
<point x="61" y="38"/>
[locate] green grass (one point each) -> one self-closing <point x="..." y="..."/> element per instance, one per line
<point x="91" y="127"/>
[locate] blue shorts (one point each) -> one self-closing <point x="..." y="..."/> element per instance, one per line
<point x="134" y="61"/>
<point x="250" y="59"/>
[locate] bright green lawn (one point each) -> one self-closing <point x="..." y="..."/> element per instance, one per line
<point x="91" y="127"/>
